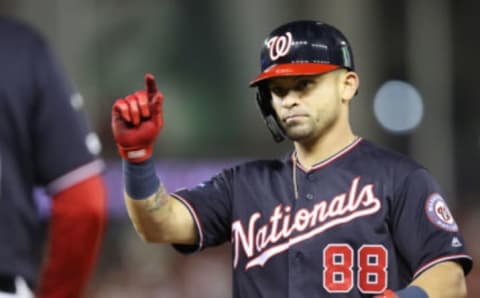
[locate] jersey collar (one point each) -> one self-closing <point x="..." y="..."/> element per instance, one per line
<point x="328" y="160"/>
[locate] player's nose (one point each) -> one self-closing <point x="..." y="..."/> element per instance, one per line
<point x="290" y="99"/>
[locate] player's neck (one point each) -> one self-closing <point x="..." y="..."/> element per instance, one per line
<point x="324" y="147"/>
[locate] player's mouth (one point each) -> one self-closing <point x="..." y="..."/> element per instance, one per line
<point x="293" y="118"/>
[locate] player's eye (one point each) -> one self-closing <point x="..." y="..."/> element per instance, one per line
<point x="278" y="91"/>
<point x="303" y="84"/>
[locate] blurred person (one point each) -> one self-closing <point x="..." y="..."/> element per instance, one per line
<point x="338" y="216"/>
<point x="45" y="142"/>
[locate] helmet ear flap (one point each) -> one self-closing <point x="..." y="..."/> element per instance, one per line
<point x="264" y="103"/>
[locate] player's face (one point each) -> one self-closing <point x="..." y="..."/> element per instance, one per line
<point x="307" y="106"/>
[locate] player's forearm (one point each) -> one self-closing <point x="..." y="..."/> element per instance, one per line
<point x="147" y="201"/>
<point x="150" y="216"/>
<point x="445" y="280"/>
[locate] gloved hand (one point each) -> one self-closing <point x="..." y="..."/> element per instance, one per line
<point x="136" y="121"/>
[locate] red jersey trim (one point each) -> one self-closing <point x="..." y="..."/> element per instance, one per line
<point x="440" y="260"/>
<point x="196" y="220"/>
<point x="330" y="159"/>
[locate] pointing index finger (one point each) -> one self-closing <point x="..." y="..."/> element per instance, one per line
<point x="150" y="85"/>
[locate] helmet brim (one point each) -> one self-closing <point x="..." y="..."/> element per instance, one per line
<point x="293" y="69"/>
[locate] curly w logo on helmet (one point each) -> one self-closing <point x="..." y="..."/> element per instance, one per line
<point x="279" y="45"/>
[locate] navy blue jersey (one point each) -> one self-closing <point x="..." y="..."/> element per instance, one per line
<point x="43" y="141"/>
<point x="363" y="220"/>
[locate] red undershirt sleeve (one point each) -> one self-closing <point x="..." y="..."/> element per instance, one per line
<point x="75" y="233"/>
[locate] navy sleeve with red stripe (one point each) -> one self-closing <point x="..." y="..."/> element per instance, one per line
<point x="424" y="229"/>
<point x="210" y="205"/>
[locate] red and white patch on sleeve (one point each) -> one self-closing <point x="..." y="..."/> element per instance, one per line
<point x="438" y="213"/>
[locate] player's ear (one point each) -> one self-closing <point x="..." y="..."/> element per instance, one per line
<point x="349" y="85"/>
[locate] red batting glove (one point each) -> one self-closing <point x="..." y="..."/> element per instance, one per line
<point x="387" y="294"/>
<point x="136" y="121"/>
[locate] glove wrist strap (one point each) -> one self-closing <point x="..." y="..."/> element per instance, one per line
<point x="136" y="155"/>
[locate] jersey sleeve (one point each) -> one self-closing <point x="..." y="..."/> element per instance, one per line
<point x="61" y="137"/>
<point x="210" y="206"/>
<point x="424" y="229"/>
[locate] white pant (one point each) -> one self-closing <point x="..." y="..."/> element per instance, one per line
<point x="23" y="291"/>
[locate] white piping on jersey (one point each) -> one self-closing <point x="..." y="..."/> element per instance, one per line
<point x="77" y="175"/>
<point x="320" y="164"/>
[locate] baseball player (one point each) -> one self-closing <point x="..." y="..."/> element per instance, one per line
<point x="43" y="142"/>
<point x="337" y="217"/>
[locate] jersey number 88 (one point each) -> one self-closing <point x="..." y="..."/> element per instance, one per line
<point x="338" y="274"/>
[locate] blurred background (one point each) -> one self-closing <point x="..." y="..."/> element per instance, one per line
<point x="417" y="60"/>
